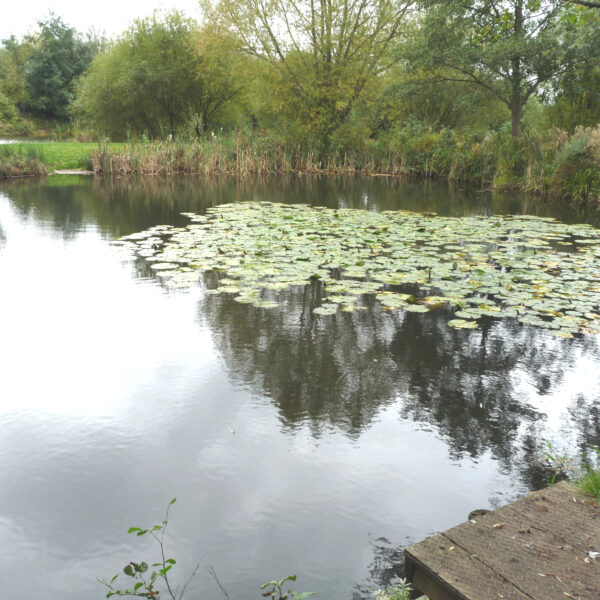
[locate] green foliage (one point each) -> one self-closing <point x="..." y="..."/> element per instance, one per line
<point x="561" y="465"/>
<point x="436" y="102"/>
<point x="154" y="584"/>
<point x="510" y="49"/>
<point x="320" y="65"/>
<point x="401" y="591"/>
<point x="8" y="111"/>
<point x="576" y="98"/>
<point x="59" y="56"/>
<point x="577" y="169"/>
<point x="585" y="473"/>
<point x="18" y="161"/>
<point x="276" y="590"/>
<point x="148" y="585"/>
<point x="56" y="155"/>
<point x="13" y="61"/>
<point x="162" y="74"/>
<point x="590" y="481"/>
<point x="548" y="163"/>
<point x="500" y="267"/>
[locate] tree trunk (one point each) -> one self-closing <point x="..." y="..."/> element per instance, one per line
<point x="516" y="115"/>
<point x="516" y="103"/>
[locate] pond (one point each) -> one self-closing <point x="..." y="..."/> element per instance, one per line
<point x="295" y="443"/>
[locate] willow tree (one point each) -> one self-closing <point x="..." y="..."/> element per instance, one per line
<point x="322" y="54"/>
<point x="160" y="76"/>
<point x="511" y="48"/>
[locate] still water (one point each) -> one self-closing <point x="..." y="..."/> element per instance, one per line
<point x="293" y="444"/>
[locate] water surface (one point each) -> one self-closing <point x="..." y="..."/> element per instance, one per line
<point x="293" y="444"/>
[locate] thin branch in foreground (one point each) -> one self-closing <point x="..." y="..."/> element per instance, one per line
<point x="213" y="574"/>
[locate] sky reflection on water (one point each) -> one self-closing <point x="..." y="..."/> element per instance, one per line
<point x="352" y="436"/>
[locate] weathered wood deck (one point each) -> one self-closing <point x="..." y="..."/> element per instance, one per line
<point x="541" y="547"/>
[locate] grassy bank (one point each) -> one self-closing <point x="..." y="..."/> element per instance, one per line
<point x="584" y="471"/>
<point x="22" y="161"/>
<point x="32" y="158"/>
<point x="551" y="163"/>
<point x="589" y="482"/>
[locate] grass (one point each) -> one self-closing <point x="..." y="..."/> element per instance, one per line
<point x="589" y="482"/>
<point x="53" y="155"/>
<point x="548" y="163"/>
<point x="68" y="155"/>
<point x="585" y="474"/>
<point x="18" y="162"/>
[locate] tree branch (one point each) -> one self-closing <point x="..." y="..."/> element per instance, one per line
<point x="586" y="3"/>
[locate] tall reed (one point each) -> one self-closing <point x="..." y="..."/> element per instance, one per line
<point x="548" y="163"/>
<point x="20" y="161"/>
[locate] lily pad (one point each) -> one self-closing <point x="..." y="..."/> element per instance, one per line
<point x="462" y="324"/>
<point x="326" y="309"/>
<point x="497" y="266"/>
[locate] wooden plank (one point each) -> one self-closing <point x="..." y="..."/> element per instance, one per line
<point x="542" y="571"/>
<point x="533" y="549"/>
<point x="443" y="571"/>
<point x="568" y="562"/>
<point x="430" y="586"/>
<point x="562" y="510"/>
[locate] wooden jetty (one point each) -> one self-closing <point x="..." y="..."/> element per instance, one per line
<point x="545" y="546"/>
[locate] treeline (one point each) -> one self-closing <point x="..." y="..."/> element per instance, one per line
<point x="423" y="83"/>
<point x="38" y="74"/>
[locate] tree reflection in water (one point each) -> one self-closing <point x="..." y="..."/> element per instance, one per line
<point x="117" y="207"/>
<point x="342" y="370"/>
<point x="467" y="386"/>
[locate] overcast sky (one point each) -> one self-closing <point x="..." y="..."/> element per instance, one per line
<point x="19" y="17"/>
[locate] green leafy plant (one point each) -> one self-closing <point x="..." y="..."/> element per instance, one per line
<point x="585" y="474"/>
<point x="401" y="591"/>
<point x="590" y="481"/>
<point x="143" y="585"/>
<point x="559" y="461"/>
<point x="152" y="585"/>
<point x="275" y="590"/>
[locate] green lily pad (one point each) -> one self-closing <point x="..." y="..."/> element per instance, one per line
<point x="463" y="324"/>
<point x="498" y="266"/>
<point x="326" y="310"/>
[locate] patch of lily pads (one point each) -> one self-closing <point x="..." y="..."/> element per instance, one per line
<point x="538" y="270"/>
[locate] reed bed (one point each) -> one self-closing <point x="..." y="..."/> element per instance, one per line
<point x="549" y="163"/>
<point x="19" y="161"/>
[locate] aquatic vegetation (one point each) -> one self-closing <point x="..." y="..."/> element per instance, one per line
<point x="537" y="270"/>
<point x="590" y="480"/>
<point x="155" y="584"/>
<point x="19" y="161"/>
<point x="583" y="471"/>
<point x="144" y="584"/>
<point x="276" y="590"/>
<point x="401" y="591"/>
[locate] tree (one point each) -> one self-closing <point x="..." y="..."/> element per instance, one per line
<point x="160" y="75"/>
<point x="511" y="48"/>
<point x="14" y="55"/>
<point x="219" y="74"/>
<point x="576" y="93"/>
<point x="60" y="55"/>
<point x="428" y="99"/>
<point x="319" y="55"/>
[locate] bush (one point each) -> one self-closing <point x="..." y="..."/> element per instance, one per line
<point x="577" y="167"/>
<point x="8" y="111"/>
